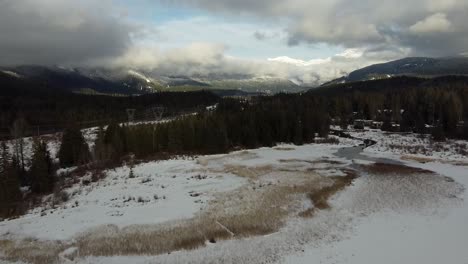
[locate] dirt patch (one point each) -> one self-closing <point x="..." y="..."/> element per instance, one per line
<point x="387" y="169"/>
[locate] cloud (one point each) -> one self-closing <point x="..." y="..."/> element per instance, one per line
<point x="61" y="32"/>
<point x="221" y="37"/>
<point x="209" y="60"/>
<point x="433" y="24"/>
<point x="360" y="23"/>
<point x="259" y="35"/>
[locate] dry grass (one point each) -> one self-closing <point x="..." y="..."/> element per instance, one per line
<point x="252" y="173"/>
<point x="321" y="197"/>
<point x="284" y="148"/>
<point x="259" y="208"/>
<point x="249" y="211"/>
<point x="242" y="155"/>
<point x="32" y="251"/>
<point x="388" y="169"/>
<point x="426" y="160"/>
<point x="417" y="159"/>
<point x="322" y="161"/>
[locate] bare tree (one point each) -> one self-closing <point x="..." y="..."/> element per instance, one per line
<point x="18" y="132"/>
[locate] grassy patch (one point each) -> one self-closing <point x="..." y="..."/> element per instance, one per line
<point x="386" y="169"/>
<point x="321" y="197"/>
<point x="258" y="208"/>
<point x="32" y="251"/>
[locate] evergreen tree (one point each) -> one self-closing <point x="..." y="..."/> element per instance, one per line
<point x="73" y="150"/>
<point x="41" y="171"/>
<point x="10" y="194"/>
<point x="115" y="140"/>
<point x="101" y="149"/>
<point x="438" y="133"/>
<point x="298" y="133"/>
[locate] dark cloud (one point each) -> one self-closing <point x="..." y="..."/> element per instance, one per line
<point x="60" y="32"/>
<point x="259" y="35"/>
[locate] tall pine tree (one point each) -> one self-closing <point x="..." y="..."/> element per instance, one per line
<point x="73" y="150"/>
<point x="41" y="172"/>
<point x="10" y="194"/>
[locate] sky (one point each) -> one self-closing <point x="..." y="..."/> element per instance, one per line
<point x="308" y="41"/>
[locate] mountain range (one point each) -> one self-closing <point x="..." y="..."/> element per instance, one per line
<point x="132" y="82"/>
<point x="413" y="66"/>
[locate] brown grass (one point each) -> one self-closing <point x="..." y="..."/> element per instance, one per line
<point x="258" y="208"/>
<point x="385" y="169"/>
<point x="417" y="159"/>
<point x="31" y="251"/>
<point x="284" y="148"/>
<point x="239" y="214"/>
<point x="331" y="162"/>
<point x="426" y="160"/>
<point x="321" y="197"/>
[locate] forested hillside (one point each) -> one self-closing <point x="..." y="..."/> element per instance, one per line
<point x="413" y="103"/>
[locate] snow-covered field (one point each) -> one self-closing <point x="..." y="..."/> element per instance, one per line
<point x="397" y="216"/>
<point x="401" y="144"/>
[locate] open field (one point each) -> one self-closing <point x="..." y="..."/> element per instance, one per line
<point x="268" y="205"/>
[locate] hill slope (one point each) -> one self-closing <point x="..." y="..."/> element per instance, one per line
<point x="415" y="66"/>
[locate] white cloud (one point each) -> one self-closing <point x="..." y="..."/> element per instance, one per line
<point x="210" y="60"/>
<point x="361" y="23"/>
<point x="435" y="23"/>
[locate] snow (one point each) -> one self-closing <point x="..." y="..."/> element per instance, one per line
<point x="418" y="218"/>
<point x="160" y="192"/>
<point x="398" y="144"/>
<point x="11" y="73"/>
<point x="394" y="236"/>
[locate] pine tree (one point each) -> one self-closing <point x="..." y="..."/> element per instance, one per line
<point x="41" y="171"/>
<point x="115" y="140"/>
<point x="73" y="150"/>
<point x="438" y="133"/>
<point x="298" y="133"/>
<point x="10" y="194"/>
<point x="4" y="157"/>
<point x="101" y="149"/>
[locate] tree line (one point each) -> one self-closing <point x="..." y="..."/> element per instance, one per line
<point x="237" y="124"/>
<point x="438" y="106"/>
<point x="56" y="110"/>
<point x="234" y="124"/>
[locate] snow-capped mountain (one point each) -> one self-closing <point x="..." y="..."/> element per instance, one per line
<point x="131" y="81"/>
<point x="415" y="66"/>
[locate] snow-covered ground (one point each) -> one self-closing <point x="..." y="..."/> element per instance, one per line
<point x="395" y="217"/>
<point x="401" y="144"/>
<point x="430" y="231"/>
<point x="161" y="191"/>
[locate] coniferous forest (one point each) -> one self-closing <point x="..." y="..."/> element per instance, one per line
<point x="437" y="106"/>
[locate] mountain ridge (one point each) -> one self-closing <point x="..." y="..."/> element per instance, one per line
<point x="410" y="66"/>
